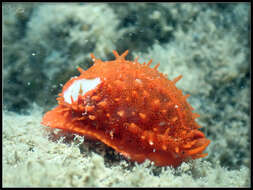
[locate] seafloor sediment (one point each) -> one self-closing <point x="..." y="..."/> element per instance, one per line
<point x="206" y="43"/>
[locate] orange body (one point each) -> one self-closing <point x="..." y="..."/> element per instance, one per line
<point x="132" y="108"/>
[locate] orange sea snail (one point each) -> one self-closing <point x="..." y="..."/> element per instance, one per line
<point x="132" y="108"/>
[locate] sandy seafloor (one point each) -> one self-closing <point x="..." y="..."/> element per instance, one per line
<point x="43" y="43"/>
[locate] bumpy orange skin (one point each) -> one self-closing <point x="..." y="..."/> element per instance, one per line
<point x="135" y="110"/>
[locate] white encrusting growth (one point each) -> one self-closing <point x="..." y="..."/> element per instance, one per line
<point x="80" y="86"/>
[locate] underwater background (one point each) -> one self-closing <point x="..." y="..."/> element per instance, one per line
<point x="44" y="43"/>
